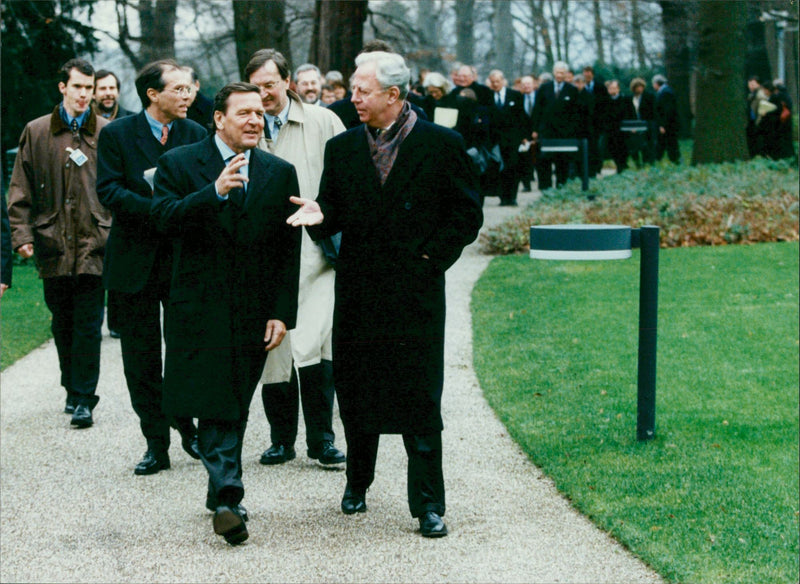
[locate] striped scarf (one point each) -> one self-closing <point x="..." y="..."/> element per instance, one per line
<point x="384" y="147"/>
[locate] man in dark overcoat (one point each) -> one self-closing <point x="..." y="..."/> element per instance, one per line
<point x="233" y="293"/>
<point x="556" y="115"/>
<point x="138" y="259"/>
<point x="399" y="235"/>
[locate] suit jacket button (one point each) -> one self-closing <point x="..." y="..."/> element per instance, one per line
<point x="408" y="205"/>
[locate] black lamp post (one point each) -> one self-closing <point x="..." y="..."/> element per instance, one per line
<point x="607" y="242"/>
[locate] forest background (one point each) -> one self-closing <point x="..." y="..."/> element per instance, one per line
<point x="706" y="49"/>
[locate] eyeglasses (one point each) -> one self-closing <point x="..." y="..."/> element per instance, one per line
<point x="268" y="86"/>
<point x="182" y="91"/>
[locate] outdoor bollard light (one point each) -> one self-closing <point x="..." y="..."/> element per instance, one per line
<point x="614" y="242"/>
<point x="573" y="146"/>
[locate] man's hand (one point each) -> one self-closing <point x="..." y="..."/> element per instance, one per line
<point x="3" y="288"/>
<point x="230" y="178"/>
<point x="309" y="213"/>
<point x="274" y="334"/>
<point x="26" y="250"/>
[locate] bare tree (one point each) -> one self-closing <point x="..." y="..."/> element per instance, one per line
<point x="157" y="30"/>
<point x="465" y="24"/>
<point x="677" y="18"/>
<point x="636" y="33"/>
<point x="503" y="39"/>
<point x="257" y="25"/>
<point x="598" y="32"/>
<point x="338" y="34"/>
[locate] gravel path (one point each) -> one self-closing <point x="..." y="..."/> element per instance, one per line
<point x="71" y="509"/>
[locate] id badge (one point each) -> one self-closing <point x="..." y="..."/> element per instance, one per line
<point x="76" y="156"/>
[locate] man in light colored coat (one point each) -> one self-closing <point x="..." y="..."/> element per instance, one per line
<point x="297" y="132"/>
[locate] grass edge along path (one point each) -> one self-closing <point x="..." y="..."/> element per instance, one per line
<point x="25" y="317"/>
<point x="714" y="498"/>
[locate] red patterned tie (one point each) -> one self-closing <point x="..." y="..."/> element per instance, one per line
<point x="164" y="133"/>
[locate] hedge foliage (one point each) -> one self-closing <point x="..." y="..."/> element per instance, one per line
<point x="714" y="204"/>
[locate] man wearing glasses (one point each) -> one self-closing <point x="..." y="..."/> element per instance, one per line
<point x="138" y="260"/>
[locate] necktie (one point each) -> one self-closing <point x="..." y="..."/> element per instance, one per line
<point x="74" y="126"/>
<point x="237" y="194"/>
<point x="498" y="102"/>
<point x="164" y="133"/>
<point x="278" y="125"/>
<point x="528" y="100"/>
<point x="558" y="89"/>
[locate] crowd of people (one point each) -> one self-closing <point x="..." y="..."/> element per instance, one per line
<point x="279" y="235"/>
<point x="213" y="226"/>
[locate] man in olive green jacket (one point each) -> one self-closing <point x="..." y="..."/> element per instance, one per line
<point x="56" y="217"/>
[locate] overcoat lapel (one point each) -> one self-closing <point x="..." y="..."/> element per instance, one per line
<point x="147" y="144"/>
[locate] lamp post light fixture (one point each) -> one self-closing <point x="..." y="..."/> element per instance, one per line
<point x="614" y="242"/>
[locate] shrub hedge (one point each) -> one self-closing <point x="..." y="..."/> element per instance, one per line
<point x="714" y="204"/>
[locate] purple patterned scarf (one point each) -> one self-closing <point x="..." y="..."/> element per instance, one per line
<point x="384" y="147"/>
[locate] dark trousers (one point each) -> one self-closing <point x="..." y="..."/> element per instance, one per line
<point x="509" y="176"/>
<point x="544" y="169"/>
<point x="220" y="441"/>
<point x="668" y="143"/>
<point x="139" y="321"/>
<point x="281" y="404"/>
<point x="77" y="306"/>
<point x="525" y="168"/>
<point x="425" y="478"/>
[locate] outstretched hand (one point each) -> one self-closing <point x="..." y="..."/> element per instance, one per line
<point x="309" y="213"/>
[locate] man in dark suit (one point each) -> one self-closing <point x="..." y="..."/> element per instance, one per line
<point x="138" y="261"/>
<point x="399" y="235"/>
<point x="598" y="113"/>
<point x="615" y="139"/>
<point x="466" y="77"/>
<point x="557" y="115"/>
<point x="233" y="293"/>
<point x="530" y="87"/>
<point x="508" y="122"/>
<point x="201" y="108"/>
<point x="106" y="96"/>
<point x="667" y="120"/>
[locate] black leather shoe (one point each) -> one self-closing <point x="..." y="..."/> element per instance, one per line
<point x="230" y="525"/>
<point x="190" y="446"/>
<point x="353" y="501"/>
<point x="152" y="463"/>
<point x="211" y="505"/>
<point x="69" y="406"/>
<point x="82" y="416"/>
<point x="278" y="454"/>
<point x="327" y="453"/>
<point x="431" y="525"/>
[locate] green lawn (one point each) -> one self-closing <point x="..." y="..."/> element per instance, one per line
<point x="714" y="498"/>
<point x="25" y="317"/>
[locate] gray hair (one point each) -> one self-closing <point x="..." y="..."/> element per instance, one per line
<point x="659" y="80"/>
<point x="390" y="70"/>
<point x="434" y="79"/>
<point x="307" y="67"/>
<point x="332" y="76"/>
<point x="545" y="77"/>
<point x="560" y="65"/>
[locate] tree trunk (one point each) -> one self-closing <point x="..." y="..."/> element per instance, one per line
<point x="598" y="32"/>
<point x="677" y="18"/>
<point x="259" y="25"/>
<point x="338" y="35"/>
<point x="157" y="22"/>
<point x="541" y="24"/>
<point x="638" y="38"/>
<point x="465" y="43"/>
<point x="504" y="37"/>
<point x="721" y="121"/>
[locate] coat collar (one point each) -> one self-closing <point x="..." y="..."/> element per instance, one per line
<point x="57" y="125"/>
